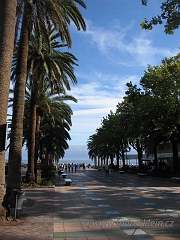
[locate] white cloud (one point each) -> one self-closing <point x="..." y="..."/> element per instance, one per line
<point x="116" y="45"/>
<point x="98" y="92"/>
<point x="100" y="84"/>
<point x="92" y="112"/>
<point x="99" y="95"/>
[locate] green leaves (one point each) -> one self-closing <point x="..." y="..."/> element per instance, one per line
<point x="170" y="16"/>
<point x="148" y="115"/>
<point x="144" y="2"/>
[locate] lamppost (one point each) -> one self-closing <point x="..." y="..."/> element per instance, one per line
<point x="171" y="161"/>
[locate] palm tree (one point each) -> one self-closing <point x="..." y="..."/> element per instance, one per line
<point x="55" y="123"/>
<point x="42" y="12"/>
<point x="93" y="147"/>
<point x="52" y="113"/>
<point x="7" y="19"/>
<point x="15" y="151"/>
<point x="57" y="66"/>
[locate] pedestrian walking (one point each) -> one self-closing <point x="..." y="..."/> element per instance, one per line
<point x="107" y="170"/>
<point x="72" y="167"/>
<point x="69" y="167"/>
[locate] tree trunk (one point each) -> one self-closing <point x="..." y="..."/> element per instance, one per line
<point x="15" y="151"/>
<point x="155" y="159"/>
<point x="139" y="151"/>
<point x="37" y="144"/>
<point x="175" y="156"/>
<point x="32" y="133"/>
<point x="112" y="158"/>
<point x="117" y="158"/>
<point x="123" y="159"/>
<point x="7" y="28"/>
<point x="98" y="161"/>
<point x="95" y="161"/>
<point x="122" y="154"/>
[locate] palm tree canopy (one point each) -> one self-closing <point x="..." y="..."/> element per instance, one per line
<point x="60" y="13"/>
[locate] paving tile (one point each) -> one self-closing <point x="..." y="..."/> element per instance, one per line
<point x="95" y="208"/>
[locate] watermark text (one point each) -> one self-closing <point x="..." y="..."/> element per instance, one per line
<point x="127" y="223"/>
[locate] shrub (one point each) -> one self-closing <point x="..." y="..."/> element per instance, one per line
<point x="48" y="173"/>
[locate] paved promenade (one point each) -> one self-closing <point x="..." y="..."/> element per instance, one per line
<point x="96" y="207"/>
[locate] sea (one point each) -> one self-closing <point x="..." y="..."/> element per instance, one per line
<point x="130" y="160"/>
<point x="79" y="154"/>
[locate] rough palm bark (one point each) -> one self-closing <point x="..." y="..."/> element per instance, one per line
<point x="32" y="135"/>
<point x="15" y="151"/>
<point x="36" y="154"/>
<point x="60" y="14"/>
<point x="7" y="19"/>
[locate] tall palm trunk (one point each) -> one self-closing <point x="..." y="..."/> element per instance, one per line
<point x="7" y="27"/>
<point x="15" y="151"/>
<point x="37" y="144"/>
<point x="32" y="133"/>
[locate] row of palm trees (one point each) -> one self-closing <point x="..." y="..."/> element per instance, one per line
<point x="41" y="74"/>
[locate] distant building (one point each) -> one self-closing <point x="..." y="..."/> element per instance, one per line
<point x="164" y="154"/>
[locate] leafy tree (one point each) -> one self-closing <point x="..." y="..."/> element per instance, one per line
<point x="132" y="113"/>
<point x="116" y="140"/>
<point x="152" y="111"/>
<point x="162" y="85"/>
<point x="170" y="15"/>
<point x="109" y="141"/>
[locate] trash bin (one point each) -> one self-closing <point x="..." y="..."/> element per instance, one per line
<point x="19" y="197"/>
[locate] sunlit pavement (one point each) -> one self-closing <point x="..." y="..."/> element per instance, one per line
<point x="121" y="206"/>
<point x="95" y="207"/>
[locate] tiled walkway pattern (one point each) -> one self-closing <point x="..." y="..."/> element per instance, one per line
<point x="39" y="223"/>
<point x="96" y="207"/>
<point x="120" y="206"/>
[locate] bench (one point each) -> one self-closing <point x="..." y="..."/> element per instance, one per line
<point x="176" y="178"/>
<point x="60" y="172"/>
<point x="121" y="172"/>
<point x="142" y="174"/>
<point x="68" y="181"/>
<point x="64" y="175"/>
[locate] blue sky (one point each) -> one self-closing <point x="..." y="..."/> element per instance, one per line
<point x="113" y="51"/>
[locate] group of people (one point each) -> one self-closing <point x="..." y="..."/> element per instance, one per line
<point x="70" y="167"/>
